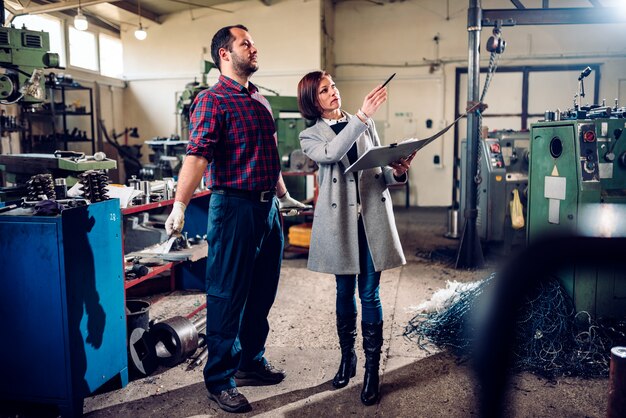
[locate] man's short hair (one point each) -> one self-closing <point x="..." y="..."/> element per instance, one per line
<point x="307" y="94"/>
<point x="223" y="38"/>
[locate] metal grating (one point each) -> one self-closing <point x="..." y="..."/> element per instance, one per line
<point x="32" y="40"/>
<point x="4" y="38"/>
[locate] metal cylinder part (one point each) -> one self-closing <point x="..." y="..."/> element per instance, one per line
<point x="168" y="188"/>
<point x="176" y="338"/>
<point x="143" y="359"/>
<point x="137" y="314"/>
<point x="200" y="322"/>
<point x="453" y="224"/>
<point x="99" y="156"/>
<point x="549" y="116"/>
<point x="134" y="182"/>
<point x="60" y="188"/>
<point x="145" y="188"/>
<point x="617" y="383"/>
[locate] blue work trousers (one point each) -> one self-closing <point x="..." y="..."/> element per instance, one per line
<point x="245" y="242"/>
<point x="369" y="285"/>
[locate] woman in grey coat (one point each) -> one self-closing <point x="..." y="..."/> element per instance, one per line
<point x="354" y="235"/>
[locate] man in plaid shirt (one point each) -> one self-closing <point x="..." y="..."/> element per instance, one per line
<point x="233" y="135"/>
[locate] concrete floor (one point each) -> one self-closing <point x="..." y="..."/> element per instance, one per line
<point x="414" y="382"/>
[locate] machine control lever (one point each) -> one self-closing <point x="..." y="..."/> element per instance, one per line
<point x="610" y="156"/>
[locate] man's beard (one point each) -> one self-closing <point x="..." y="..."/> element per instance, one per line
<point x="243" y="68"/>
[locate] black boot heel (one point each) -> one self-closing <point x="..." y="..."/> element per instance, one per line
<point x="347" y="370"/>
<point x="372" y="343"/>
<point x="346" y="329"/>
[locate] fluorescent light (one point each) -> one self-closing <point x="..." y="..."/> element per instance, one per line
<point x="80" y="21"/>
<point x="140" y="33"/>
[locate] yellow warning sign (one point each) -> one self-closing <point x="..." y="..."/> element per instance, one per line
<point x="555" y="171"/>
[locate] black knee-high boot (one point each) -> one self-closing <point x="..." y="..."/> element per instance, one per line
<point x="346" y="329"/>
<point x="372" y="343"/>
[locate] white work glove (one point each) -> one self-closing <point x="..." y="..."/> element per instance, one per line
<point x="176" y="220"/>
<point x="289" y="206"/>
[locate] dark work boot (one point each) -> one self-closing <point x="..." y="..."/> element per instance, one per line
<point x="346" y="329"/>
<point x="372" y="343"/>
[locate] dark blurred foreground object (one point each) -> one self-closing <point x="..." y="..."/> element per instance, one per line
<point x="518" y="279"/>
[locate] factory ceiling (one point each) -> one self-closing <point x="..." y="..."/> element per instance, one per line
<point x="112" y="15"/>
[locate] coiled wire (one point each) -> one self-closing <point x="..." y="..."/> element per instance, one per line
<point x="551" y="339"/>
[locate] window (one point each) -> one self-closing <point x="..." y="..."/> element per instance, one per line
<point x="47" y="24"/>
<point x="111" y="56"/>
<point x="83" y="49"/>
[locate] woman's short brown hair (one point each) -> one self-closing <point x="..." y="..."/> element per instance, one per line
<point x="307" y="94"/>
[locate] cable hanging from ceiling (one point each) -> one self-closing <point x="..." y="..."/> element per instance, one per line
<point x="140" y="33"/>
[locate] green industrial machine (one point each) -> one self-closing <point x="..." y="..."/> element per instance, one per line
<point x="503" y="175"/>
<point x="577" y="172"/>
<point x="185" y="100"/>
<point x="289" y="124"/>
<point x="23" y="55"/>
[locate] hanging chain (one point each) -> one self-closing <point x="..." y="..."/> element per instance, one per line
<point x="493" y="65"/>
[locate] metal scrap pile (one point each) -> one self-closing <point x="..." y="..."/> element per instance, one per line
<point x="551" y="339"/>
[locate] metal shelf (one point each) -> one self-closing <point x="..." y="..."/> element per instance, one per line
<point x="154" y="271"/>
<point x="196" y="222"/>
<point x="160" y="204"/>
<point x="54" y="122"/>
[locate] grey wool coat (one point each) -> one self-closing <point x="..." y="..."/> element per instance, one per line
<point x="334" y="238"/>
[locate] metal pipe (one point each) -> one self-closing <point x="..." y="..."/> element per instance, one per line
<point x="200" y="323"/>
<point x="617" y="383"/>
<point x="201" y="357"/>
<point x="470" y="253"/>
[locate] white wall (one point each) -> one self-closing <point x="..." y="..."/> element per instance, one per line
<point x="287" y="35"/>
<point x="373" y="41"/>
<point x="370" y="41"/>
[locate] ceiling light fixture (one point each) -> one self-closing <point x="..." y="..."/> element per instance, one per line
<point x="80" y="21"/>
<point x="140" y="33"/>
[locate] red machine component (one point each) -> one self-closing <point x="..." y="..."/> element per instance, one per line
<point x="589" y="136"/>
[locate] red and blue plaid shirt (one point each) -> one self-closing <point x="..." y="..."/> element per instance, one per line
<point x="233" y="128"/>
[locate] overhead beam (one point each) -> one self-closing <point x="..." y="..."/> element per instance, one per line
<point x="189" y="3"/>
<point x="557" y="16"/>
<point x="98" y="21"/>
<point x="518" y="4"/>
<point x="73" y="4"/>
<point x="545" y="4"/>
<point x="66" y="11"/>
<point x="57" y="7"/>
<point x="131" y="8"/>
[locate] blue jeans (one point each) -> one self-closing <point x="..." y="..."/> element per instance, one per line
<point x="245" y="242"/>
<point x="369" y="285"/>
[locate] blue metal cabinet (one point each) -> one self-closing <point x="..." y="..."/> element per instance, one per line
<point x="62" y="310"/>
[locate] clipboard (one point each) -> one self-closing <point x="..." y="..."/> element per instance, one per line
<point x="383" y="155"/>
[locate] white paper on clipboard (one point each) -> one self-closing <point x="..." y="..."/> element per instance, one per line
<point x="384" y="155"/>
